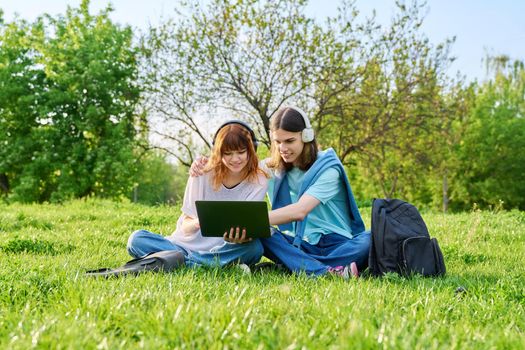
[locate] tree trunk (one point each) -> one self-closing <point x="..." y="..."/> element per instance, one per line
<point x="445" y="193"/>
<point x="4" y="183"/>
<point x="135" y="194"/>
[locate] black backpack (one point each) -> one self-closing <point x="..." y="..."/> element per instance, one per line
<point x="400" y="241"/>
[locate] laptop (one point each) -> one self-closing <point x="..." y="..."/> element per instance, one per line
<point x="217" y="217"/>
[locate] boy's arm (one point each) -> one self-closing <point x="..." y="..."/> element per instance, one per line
<point x="294" y="212"/>
<point x="197" y="167"/>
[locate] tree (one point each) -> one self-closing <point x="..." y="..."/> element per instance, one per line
<point x="240" y="58"/>
<point x="491" y="164"/>
<point x="383" y="107"/>
<point x="70" y="118"/>
<point x="157" y="181"/>
<point x="23" y="87"/>
<point x="377" y="95"/>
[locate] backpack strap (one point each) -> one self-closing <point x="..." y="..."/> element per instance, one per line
<point x="382" y="225"/>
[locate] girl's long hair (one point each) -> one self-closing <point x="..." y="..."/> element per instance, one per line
<point x="232" y="137"/>
<point x="288" y="119"/>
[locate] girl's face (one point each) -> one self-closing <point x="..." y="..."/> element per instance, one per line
<point x="235" y="161"/>
<point x="289" y="144"/>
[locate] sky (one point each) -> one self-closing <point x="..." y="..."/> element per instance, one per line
<point x="480" y="27"/>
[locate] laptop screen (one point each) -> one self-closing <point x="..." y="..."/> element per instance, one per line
<point x="217" y="217"/>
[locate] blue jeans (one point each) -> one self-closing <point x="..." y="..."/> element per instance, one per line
<point x="331" y="250"/>
<point x="143" y="242"/>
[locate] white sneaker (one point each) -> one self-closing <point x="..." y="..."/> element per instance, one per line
<point x="245" y="269"/>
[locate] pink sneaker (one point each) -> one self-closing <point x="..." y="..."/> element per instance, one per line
<point x="345" y="271"/>
<point x="353" y="270"/>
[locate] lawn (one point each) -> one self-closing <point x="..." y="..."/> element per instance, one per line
<point x="47" y="302"/>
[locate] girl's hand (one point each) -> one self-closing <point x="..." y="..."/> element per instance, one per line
<point x="236" y="236"/>
<point x="197" y="167"/>
<point x="196" y="226"/>
<point x="190" y="226"/>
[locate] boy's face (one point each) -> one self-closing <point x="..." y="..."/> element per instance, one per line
<point x="289" y="144"/>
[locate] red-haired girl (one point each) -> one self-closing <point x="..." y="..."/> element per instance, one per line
<point x="232" y="173"/>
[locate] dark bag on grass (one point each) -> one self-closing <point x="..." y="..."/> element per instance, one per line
<point x="164" y="261"/>
<point x="400" y="241"/>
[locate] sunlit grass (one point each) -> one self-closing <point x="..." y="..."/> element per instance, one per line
<point x="47" y="302"/>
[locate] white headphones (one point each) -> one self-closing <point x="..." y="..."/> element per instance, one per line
<point x="307" y="134"/>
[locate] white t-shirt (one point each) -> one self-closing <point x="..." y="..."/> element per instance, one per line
<point x="200" y="188"/>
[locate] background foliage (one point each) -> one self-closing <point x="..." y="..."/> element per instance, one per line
<point x="89" y="108"/>
<point x="492" y="165"/>
<point x="68" y="116"/>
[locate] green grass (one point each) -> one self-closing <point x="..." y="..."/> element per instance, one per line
<point x="46" y="302"/>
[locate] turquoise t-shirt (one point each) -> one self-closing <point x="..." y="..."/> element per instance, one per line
<point x="332" y="215"/>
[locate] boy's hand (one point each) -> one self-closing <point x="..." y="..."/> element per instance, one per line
<point x="197" y="167"/>
<point x="236" y="236"/>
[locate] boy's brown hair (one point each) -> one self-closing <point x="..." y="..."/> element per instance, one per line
<point x="288" y="119"/>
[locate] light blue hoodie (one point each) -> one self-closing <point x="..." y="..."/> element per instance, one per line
<point x="280" y="195"/>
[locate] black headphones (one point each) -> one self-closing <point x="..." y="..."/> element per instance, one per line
<point x="241" y="123"/>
